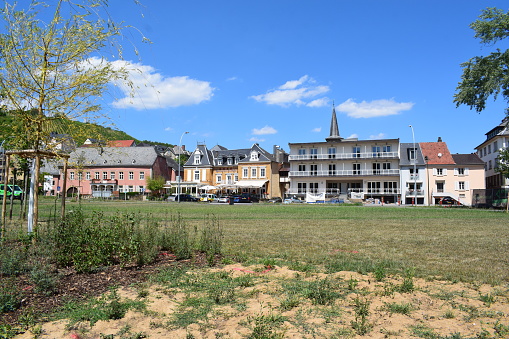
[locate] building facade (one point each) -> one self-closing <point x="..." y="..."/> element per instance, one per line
<point x="413" y="175"/>
<point x="345" y="168"/>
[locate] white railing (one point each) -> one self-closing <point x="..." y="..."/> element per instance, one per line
<point x="340" y="156"/>
<point x="412" y="193"/>
<point x="377" y="191"/>
<point x="344" y="173"/>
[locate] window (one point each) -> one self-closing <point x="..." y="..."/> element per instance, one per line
<point x="121" y="175"/>
<point x="376" y="151"/>
<point x="489" y="149"/>
<point x="412" y="154"/>
<point x="197" y="159"/>
<point x="461" y="185"/>
<point x="314" y="153"/>
<point x="236" y="176"/>
<point x="219" y="177"/>
<point x="314" y="169"/>
<point x="196" y="175"/>
<point x="356" y="150"/>
<point x="229" y="179"/>
<point x="386" y="149"/>
<point x="220" y="161"/>
<point x="254" y="172"/>
<point x="332" y="152"/>
<point x="390" y="187"/>
<point x="495" y="146"/>
<point x="141" y="188"/>
<point x="356" y="169"/>
<point x="386" y="166"/>
<point x="142" y="175"/>
<point x="484" y="151"/>
<point x="301" y="187"/>
<point x="254" y="156"/>
<point x="97" y="175"/>
<point x="489" y="164"/>
<point x="105" y="175"/>
<point x="376" y="168"/>
<point x="302" y="151"/>
<point x="112" y="175"/>
<point x="440" y="186"/>
<point x="374" y="187"/>
<point x="262" y="172"/>
<point x="461" y="171"/>
<point x="71" y="175"/>
<point x="332" y="169"/>
<point x="80" y="176"/>
<point x="120" y="188"/>
<point x="131" y="175"/>
<point x="230" y="161"/>
<point x="245" y="172"/>
<point x="131" y="188"/>
<point x="88" y="175"/>
<point x="302" y="168"/>
<point x="313" y="187"/>
<point x="440" y="171"/>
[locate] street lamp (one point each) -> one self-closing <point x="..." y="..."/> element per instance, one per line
<point x="180" y="153"/>
<point x="415" y="164"/>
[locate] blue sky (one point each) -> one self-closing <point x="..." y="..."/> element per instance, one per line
<point x="238" y="72"/>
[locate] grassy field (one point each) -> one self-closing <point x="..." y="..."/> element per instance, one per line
<point x="456" y="244"/>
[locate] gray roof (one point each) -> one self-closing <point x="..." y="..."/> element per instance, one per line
<point x="467" y="159"/>
<point x="405" y="154"/>
<point x="114" y="156"/>
<point x="206" y="157"/>
<point x="211" y="157"/>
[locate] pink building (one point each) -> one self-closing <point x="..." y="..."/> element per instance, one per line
<point x="106" y="171"/>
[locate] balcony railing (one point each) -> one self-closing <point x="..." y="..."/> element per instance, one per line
<point x="341" y="156"/>
<point x="345" y="173"/>
<point x="412" y="193"/>
<point x="335" y="191"/>
<point x="103" y="181"/>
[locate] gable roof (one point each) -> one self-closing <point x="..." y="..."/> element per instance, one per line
<point x="436" y="153"/>
<point x="114" y="156"/>
<point x="206" y="159"/>
<point x="405" y="154"/>
<point x="467" y="159"/>
<point x="121" y="143"/>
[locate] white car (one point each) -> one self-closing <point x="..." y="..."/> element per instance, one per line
<point x="293" y="201"/>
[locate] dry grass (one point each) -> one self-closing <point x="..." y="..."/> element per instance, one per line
<point x="456" y="244"/>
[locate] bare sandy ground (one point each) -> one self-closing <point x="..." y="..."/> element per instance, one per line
<point x="439" y="308"/>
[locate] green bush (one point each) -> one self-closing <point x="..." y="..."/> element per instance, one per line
<point x="10" y="298"/>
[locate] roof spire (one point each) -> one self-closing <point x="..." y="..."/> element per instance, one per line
<point x="334" y="130"/>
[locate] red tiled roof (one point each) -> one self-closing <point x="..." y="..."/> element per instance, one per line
<point x="436" y="153"/>
<point x="121" y="143"/>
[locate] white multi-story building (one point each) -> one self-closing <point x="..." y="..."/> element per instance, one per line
<point x="413" y="175"/>
<point x="345" y="168"/>
<point x="496" y="139"/>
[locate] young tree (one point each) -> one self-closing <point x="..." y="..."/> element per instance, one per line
<point x="51" y="68"/>
<point x="503" y="162"/>
<point x="486" y="76"/>
<point x="155" y="185"/>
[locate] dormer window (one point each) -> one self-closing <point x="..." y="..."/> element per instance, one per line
<point x="220" y="161"/>
<point x="254" y="156"/>
<point x="230" y="161"/>
<point x="197" y="159"/>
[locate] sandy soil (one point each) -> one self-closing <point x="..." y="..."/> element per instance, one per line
<point x="439" y="308"/>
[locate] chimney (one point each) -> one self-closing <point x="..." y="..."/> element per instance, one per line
<point x="439" y="139"/>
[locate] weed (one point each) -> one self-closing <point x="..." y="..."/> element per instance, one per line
<point x="361" y="324"/>
<point x="501" y="330"/>
<point x="190" y="311"/>
<point x="10" y="297"/>
<point x="322" y="292"/>
<point x="267" y="326"/>
<point x="175" y="237"/>
<point x="487" y="299"/>
<point x="403" y="308"/>
<point x="352" y="284"/>
<point x="301" y="267"/>
<point x="449" y="314"/>
<point x="13" y="260"/>
<point x="407" y="286"/>
<point x="245" y="280"/>
<point x="422" y="331"/>
<point x="211" y="240"/>
<point x="44" y="279"/>
<point x="380" y="272"/>
<point x="291" y="301"/>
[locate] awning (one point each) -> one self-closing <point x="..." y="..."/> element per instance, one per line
<point x="250" y="183"/>
<point x="207" y="188"/>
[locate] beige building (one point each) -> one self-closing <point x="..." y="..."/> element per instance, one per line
<point x="451" y="175"/>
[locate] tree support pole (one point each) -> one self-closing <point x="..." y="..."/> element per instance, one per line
<point x="64" y="191"/>
<point x="4" y="200"/>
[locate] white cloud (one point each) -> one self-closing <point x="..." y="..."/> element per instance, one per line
<point x="294" y="92"/>
<point x="317" y="129"/>
<point x="256" y="139"/>
<point x="375" y="108"/>
<point x="318" y="102"/>
<point x="153" y="90"/>
<point x="378" y="136"/>
<point x="168" y="129"/>
<point x="264" y="130"/>
<point x="231" y="79"/>
<point x="355" y="135"/>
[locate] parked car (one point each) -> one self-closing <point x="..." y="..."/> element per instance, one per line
<point x="16" y="191"/>
<point x="7" y="192"/>
<point x="186" y="197"/>
<point x="449" y="201"/>
<point x="223" y="199"/>
<point x="208" y="197"/>
<point x="293" y="201"/>
<point x="245" y="198"/>
<point x="275" y="200"/>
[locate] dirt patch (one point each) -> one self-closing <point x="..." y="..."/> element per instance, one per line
<point x="278" y="302"/>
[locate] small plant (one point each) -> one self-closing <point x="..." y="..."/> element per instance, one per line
<point x="403" y="308"/>
<point x="44" y="280"/>
<point x="380" y="272"/>
<point x="449" y="314"/>
<point x="361" y="324"/>
<point x="267" y="326"/>
<point x="407" y="285"/>
<point x="10" y="298"/>
<point x="501" y="330"/>
<point x="13" y="260"/>
<point x="352" y="284"/>
<point x="322" y="292"/>
<point x="301" y="267"/>
<point x="422" y="331"/>
<point x="487" y="299"/>
<point x="211" y="241"/>
<point x="291" y="301"/>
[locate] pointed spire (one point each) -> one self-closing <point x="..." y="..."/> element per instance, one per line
<point x="334" y="130"/>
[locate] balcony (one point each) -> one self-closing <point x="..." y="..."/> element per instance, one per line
<point x="412" y="193"/>
<point x="345" y="173"/>
<point x="344" y="156"/>
<point x="333" y="191"/>
<point x="103" y="181"/>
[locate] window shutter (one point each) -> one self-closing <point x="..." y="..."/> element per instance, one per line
<point x="456" y="185"/>
<point x="466" y="170"/>
<point x="434" y="171"/>
<point x="444" y="171"/>
<point x="467" y="185"/>
<point x="456" y="172"/>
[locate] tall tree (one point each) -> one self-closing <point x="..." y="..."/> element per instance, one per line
<point x="51" y="67"/>
<point x="486" y="76"/>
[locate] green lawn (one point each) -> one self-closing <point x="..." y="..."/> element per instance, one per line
<point x="457" y="244"/>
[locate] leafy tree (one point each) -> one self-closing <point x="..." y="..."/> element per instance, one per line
<point x="51" y="69"/>
<point x="155" y="185"/>
<point x="486" y="76"/>
<point x="503" y="162"/>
